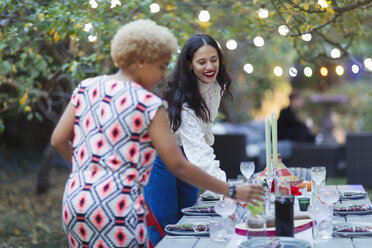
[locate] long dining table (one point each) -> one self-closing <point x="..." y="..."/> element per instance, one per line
<point x="234" y="242"/>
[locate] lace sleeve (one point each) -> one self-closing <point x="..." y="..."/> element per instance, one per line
<point x="198" y="152"/>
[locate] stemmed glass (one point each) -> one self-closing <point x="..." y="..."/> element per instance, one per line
<point x="247" y="169"/>
<point x="329" y="195"/>
<point x="318" y="174"/>
<point x="269" y="176"/>
<point x="225" y="208"/>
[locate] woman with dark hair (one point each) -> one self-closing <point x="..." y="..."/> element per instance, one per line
<point x="193" y="91"/>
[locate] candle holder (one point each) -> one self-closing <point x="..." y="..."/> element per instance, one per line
<point x="269" y="177"/>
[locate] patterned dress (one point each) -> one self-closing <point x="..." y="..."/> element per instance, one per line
<point x="112" y="159"/>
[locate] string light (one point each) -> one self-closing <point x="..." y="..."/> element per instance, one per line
<point x="308" y="72"/>
<point x="335" y="53"/>
<point x="307" y="37"/>
<point x="154" y="8"/>
<point x="93" y="4"/>
<point x="323" y="3"/>
<point x="368" y="64"/>
<point x="355" y="68"/>
<point x="292" y="72"/>
<point x="258" y="41"/>
<point x="323" y="71"/>
<point x="92" y="38"/>
<point x="88" y="27"/>
<point x="339" y="70"/>
<point x="114" y="3"/>
<point x="283" y="30"/>
<point x="263" y="13"/>
<point x="231" y="44"/>
<point x="278" y="71"/>
<point x="248" y="68"/>
<point x="204" y="15"/>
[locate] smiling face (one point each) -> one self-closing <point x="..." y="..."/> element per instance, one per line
<point x="205" y="64"/>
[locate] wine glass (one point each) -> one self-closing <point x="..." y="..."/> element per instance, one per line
<point x="247" y="169"/>
<point x="329" y="195"/>
<point x="318" y="174"/>
<point x="225" y="208"/>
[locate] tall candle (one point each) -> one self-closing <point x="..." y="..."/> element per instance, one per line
<point x="275" y="139"/>
<point x="268" y="144"/>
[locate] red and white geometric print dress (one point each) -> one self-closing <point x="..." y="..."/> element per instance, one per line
<point x="112" y="156"/>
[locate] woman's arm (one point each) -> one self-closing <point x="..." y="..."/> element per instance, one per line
<point x="175" y="161"/>
<point x="63" y="133"/>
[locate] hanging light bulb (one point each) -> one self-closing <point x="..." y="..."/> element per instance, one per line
<point x="248" y="68"/>
<point x="368" y="64"/>
<point x="339" y="70"/>
<point x="308" y="72"/>
<point x="283" y="30"/>
<point x="258" y="41"/>
<point x="263" y="13"/>
<point x="93" y="4"/>
<point x="92" y="38"/>
<point x="355" y="68"/>
<point x="231" y="44"/>
<point x="307" y="37"/>
<point x="324" y="71"/>
<point x="323" y="3"/>
<point x="292" y="72"/>
<point x="114" y="3"/>
<point x="204" y="15"/>
<point x="88" y="27"/>
<point x="278" y="71"/>
<point x="154" y="8"/>
<point x="335" y="53"/>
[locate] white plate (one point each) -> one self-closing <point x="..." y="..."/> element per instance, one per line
<point x="286" y="242"/>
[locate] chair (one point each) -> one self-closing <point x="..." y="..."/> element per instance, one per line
<point x="152" y="221"/>
<point x="359" y="158"/>
<point x="230" y="151"/>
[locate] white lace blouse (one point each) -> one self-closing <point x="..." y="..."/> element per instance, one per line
<point x="196" y="136"/>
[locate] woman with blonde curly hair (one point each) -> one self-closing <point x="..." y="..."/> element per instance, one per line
<point x="110" y="130"/>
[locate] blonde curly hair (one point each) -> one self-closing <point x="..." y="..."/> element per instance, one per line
<point x="141" y="40"/>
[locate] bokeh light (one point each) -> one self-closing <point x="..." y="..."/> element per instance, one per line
<point x="339" y="70"/>
<point x="231" y="44"/>
<point x="154" y="8"/>
<point x="292" y="72"/>
<point x="278" y="71"/>
<point x="258" y="41"/>
<point x="323" y="71"/>
<point x="308" y="72"/>
<point x="248" y="68"/>
<point x="307" y="37"/>
<point x="204" y="15"/>
<point x="335" y="53"/>
<point x="283" y="30"/>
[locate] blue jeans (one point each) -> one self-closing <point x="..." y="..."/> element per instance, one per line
<point x="166" y="195"/>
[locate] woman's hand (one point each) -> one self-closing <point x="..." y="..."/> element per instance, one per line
<point x="250" y="193"/>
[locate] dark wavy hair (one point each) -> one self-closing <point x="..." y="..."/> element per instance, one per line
<point x="182" y="85"/>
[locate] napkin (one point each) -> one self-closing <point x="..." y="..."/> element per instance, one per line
<point x="358" y="229"/>
<point x="188" y="227"/>
<point x="353" y="208"/>
<point x="352" y="194"/>
<point x="200" y="209"/>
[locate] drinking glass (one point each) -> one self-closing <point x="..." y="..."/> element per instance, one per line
<point x="329" y="195"/>
<point x="247" y="169"/>
<point x="226" y="208"/>
<point x="318" y="174"/>
<point x="322" y="218"/>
